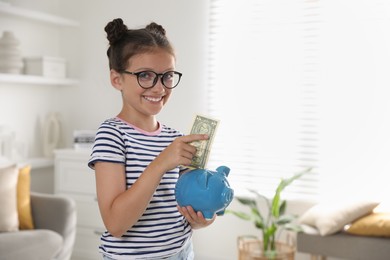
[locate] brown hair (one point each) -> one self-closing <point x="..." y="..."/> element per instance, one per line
<point x="125" y="43"/>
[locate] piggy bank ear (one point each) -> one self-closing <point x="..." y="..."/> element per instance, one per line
<point x="224" y="170"/>
<point x="203" y="179"/>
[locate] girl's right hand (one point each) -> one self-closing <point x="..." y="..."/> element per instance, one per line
<point x="179" y="152"/>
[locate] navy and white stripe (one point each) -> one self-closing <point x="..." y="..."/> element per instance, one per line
<point x="162" y="230"/>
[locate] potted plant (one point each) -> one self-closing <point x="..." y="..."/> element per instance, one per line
<point x="273" y="223"/>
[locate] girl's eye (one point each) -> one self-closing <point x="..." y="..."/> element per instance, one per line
<point x="146" y="75"/>
<point x="168" y="76"/>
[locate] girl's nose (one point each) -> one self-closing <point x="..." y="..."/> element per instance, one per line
<point x="159" y="85"/>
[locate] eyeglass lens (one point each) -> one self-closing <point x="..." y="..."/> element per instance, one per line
<point x="148" y="79"/>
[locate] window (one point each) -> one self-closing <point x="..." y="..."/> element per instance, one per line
<point x="287" y="79"/>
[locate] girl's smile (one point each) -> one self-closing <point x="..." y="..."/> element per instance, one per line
<point x="153" y="99"/>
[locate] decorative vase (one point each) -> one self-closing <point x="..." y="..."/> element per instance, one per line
<point x="251" y="248"/>
<point x="11" y="60"/>
<point x="51" y="134"/>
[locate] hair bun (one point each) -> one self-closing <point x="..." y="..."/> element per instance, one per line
<point x="155" y="28"/>
<point x="115" y="30"/>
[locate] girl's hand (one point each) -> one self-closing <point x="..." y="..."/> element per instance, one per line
<point x="195" y="219"/>
<point x="179" y="152"/>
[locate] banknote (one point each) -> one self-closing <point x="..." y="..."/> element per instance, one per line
<point x="203" y="125"/>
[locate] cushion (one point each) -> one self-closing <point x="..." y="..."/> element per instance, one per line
<point x="8" y="211"/>
<point x="330" y="218"/>
<point x="37" y="244"/>
<point x="23" y="198"/>
<point x="375" y="224"/>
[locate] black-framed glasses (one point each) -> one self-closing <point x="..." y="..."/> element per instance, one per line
<point x="148" y="79"/>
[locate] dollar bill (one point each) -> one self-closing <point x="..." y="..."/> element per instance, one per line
<point x="203" y="125"/>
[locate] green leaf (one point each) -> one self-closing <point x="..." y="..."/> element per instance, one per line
<point x="293" y="227"/>
<point x="261" y="196"/>
<point x="282" y="208"/>
<point x="285" y="219"/>
<point x="240" y="214"/>
<point x="258" y="218"/>
<point x="285" y="182"/>
<point x="259" y="225"/>
<point x="270" y="231"/>
<point x="296" y="176"/>
<point x="276" y="207"/>
<point x="248" y="202"/>
<point x="256" y="214"/>
<point x="268" y="237"/>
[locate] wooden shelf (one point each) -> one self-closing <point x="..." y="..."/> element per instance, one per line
<point x="7" y="8"/>
<point x="36" y="80"/>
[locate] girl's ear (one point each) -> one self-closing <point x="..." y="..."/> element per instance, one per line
<point x="116" y="79"/>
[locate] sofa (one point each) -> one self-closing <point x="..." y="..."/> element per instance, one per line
<point x="345" y="230"/>
<point x="53" y="235"/>
<point x="343" y="245"/>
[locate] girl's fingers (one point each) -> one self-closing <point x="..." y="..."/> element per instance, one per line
<point x="190" y="155"/>
<point x="190" y="150"/>
<point x="194" y="137"/>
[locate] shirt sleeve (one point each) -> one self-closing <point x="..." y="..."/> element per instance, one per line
<point x="108" y="147"/>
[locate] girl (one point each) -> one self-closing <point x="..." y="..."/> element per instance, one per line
<point x="136" y="158"/>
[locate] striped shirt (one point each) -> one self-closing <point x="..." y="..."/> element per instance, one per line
<point x="161" y="231"/>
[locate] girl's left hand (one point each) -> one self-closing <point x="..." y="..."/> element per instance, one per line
<point x="195" y="219"/>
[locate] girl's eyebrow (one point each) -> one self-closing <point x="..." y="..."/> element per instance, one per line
<point x="150" y="69"/>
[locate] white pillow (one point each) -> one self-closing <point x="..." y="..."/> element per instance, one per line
<point x="9" y="220"/>
<point x="330" y="218"/>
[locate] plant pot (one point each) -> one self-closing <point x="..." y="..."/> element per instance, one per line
<point x="251" y="248"/>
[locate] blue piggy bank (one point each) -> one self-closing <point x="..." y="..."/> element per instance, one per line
<point x="204" y="190"/>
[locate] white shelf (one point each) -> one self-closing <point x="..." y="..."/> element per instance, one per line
<point x="36" y="80"/>
<point x="7" y="8"/>
<point x="72" y="153"/>
<point x="38" y="163"/>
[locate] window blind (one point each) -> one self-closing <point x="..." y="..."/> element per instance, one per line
<point x="263" y="87"/>
<point x="298" y="83"/>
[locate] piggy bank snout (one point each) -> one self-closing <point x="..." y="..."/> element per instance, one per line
<point x="227" y="195"/>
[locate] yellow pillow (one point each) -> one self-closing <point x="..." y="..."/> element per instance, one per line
<point x="8" y="203"/>
<point x="374" y="224"/>
<point x="23" y="198"/>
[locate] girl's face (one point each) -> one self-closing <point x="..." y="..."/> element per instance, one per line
<point x="139" y="102"/>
